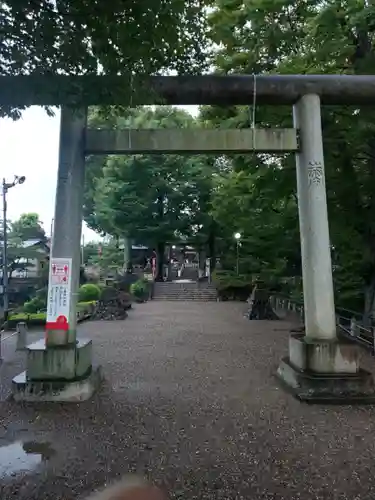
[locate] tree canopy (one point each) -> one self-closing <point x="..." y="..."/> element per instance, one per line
<point x="21" y="255"/>
<point x="108" y="256"/>
<point x="302" y="37"/>
<point x="95" y="37"/>
<point x="75" y="37"/>
<point x="28" y="226"/>
<point x="154" y="199"/>
<point x="158" y="198"/>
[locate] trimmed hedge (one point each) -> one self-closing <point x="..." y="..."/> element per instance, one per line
<point x="24" y="316"/>
<point x="39" y="318"/>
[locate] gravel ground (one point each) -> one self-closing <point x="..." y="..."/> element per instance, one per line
<point x="191" y="401"/>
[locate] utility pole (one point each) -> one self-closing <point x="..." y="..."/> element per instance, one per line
<point x="83" y="250"/>
<point x="6" y="186"/>
<point x="5" y="254"/>
<point x="51" y="235"/>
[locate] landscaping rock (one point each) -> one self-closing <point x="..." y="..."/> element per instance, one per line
<point x="260" y="306"/>
<point x="112" y="305"/>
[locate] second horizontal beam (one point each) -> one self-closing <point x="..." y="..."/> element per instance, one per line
<point x="190" y="141"/>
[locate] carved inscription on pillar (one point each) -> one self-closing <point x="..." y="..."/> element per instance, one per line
<point x="315" y="172"/>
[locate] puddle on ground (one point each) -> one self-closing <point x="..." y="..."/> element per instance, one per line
<point x="23" y="457"/>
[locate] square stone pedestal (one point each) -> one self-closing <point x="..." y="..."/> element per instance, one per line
<point x="57" y="374"/>
<point x="318" y="371"/>
<point x="58" y="363"/>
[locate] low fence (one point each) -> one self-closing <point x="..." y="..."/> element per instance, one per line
<point x="349" y="323"/>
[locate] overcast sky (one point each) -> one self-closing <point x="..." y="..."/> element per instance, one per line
<point x="29" y="147"/>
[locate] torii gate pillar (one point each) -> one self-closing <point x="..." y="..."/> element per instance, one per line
<point x="60" y="368"/>
<point x="320" y="320"/>
<point x="319" y="366"/>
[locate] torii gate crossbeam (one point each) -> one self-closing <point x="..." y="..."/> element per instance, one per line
<point x="221" y="90"/>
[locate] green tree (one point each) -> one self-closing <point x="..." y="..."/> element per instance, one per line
<point x="28" y="226"/>
<point x="154" y="199"/>
<point x="269" y="230"/>
<point x="120" y="37"/>
<point x="21" y="255"/>
<point x="110" y="257"/>
<point x="90" y="252"/>
<point x="309" y="37"/>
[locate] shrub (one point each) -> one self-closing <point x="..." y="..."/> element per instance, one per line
<point x="139" y="289"/>
<point x="34" y="305"/>
<point x="42" y="293"/>
<point x="124" y="283"/>
<point x="230" y="286"/>
<point x="229" y="279"/>
<point x="89" y="292"/>
<point x="39" y="318"/>
<point x="29" y="307"/>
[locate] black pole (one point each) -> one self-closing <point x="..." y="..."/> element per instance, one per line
<point x="238" y="257"/>
<point x="5" y="254"/>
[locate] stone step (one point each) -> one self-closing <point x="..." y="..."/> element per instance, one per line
<point x="192" y="284"/>
<point x="186" y="299"/>
<point x="185" y="295"/>
<point x="196" y="292"/>
<point x="192" y="291"/>
<point x="209" y="294"/>
<point x="179" y="290"/>
<point x="189" y="288"/>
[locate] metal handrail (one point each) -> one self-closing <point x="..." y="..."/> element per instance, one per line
<point x="342" y="311"/>
<point x="349" y="323"/>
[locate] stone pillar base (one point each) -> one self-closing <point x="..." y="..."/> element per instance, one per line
<point x="58" y="363"/>
<point x="60" y="391"/>
<point x="62" y="373"/>
<point x="325" y="372"/>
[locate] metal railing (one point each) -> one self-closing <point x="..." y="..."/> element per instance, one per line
<point x="349" y="323"/>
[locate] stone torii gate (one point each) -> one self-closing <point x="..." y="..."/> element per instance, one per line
<point x="319" y="366"/>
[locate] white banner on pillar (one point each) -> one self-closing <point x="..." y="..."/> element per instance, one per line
<point x="58" y="304"/>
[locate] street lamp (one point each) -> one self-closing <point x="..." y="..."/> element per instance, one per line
<point x="6" y="186"/>
<point x="237" y="237"/>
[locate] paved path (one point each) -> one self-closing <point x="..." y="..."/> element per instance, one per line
<point x="191" y="401"/>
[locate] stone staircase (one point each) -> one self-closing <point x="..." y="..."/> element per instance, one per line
<point x="185" y="291"/>
<point x="189" y="272"/>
